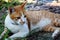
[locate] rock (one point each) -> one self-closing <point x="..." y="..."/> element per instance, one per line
<point x="55" y="9"/>
<point x="37" y="8"/>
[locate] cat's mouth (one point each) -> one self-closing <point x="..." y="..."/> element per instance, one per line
<point x="22" y="23"/>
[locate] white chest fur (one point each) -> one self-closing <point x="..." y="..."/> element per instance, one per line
<point x="15" y="28"/>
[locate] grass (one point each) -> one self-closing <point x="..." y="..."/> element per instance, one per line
<point x="2" y="23"/>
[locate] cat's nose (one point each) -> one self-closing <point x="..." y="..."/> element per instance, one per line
<point x="22" y="22"/>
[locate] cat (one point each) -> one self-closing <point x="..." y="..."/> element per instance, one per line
<point x="21" y="22"/>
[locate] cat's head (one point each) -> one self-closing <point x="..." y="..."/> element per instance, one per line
<point x="17" y="13"/>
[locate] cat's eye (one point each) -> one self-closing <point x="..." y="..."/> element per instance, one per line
<point x="18" y="17"/>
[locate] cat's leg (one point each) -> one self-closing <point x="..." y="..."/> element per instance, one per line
<point x="19" y="35"/>
<point x="55" y="30"/>
<point x="49" y="28"/>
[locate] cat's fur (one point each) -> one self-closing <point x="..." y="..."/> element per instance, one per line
<point x="20" y="22"/>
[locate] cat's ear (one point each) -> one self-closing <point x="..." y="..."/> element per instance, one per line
<point x="11" y="10"/>
<point x="23" y="5"/>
